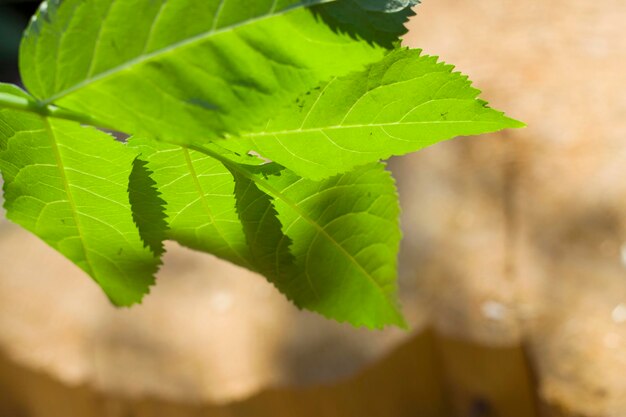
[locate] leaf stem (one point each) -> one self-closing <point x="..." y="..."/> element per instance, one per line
<point x="228" y="163"/>
<point x="15" y="102"/>
<point x="212" y="154"/>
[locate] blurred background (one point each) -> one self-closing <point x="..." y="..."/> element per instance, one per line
<point x="513" y="267"/>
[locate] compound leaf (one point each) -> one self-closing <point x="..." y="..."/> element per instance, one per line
<point x="201" y="83"/>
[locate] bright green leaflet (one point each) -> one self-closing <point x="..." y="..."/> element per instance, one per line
<point x="202" y="67"/>
<point x="69" y="185"/>
<point x="199" y="192"/>
<point x="329" y="246"/>
<point x="399" y="105"/>
<point x="345" y="239"/>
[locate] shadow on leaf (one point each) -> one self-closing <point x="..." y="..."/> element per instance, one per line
<point x="380" y="25"/>
<point x="269" y="246"/>
<point x="147" y="206"/>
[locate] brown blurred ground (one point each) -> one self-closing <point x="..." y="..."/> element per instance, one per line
<point x="514" y="243"/>
<point x="530" y="230"/>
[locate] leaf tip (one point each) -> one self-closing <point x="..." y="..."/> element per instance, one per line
<point x="514" y="124"/>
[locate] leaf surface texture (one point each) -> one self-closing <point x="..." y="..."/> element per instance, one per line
<point x="68" y="185"/>
<point x="329" y="246"/>
<point x="404" y="103"/>
<point x="203" y="67"/>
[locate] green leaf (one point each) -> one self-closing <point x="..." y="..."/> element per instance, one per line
<point x="345" y="238"/>
<point x="329" y="246"/>
<point x="203" y="67"/>
<point x="199" y="192"/>
<point x="399" y="105"/>
<point x="68" y="185"/>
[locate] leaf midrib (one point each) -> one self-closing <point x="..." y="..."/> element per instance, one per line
<point x="170" y="48"/>
<point x="361" y="126"/>
<point x="66" y="187"/>
<point x="207" y="208"/>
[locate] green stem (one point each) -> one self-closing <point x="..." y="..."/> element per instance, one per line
<point x="13" y="102"/>
<point x="213" y="154"/>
